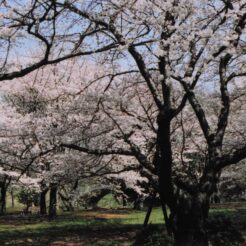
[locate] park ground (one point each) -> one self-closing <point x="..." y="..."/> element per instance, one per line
<point x="102" y="227"/>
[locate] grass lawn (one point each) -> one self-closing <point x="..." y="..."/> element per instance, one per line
<point x="103" y="227"/>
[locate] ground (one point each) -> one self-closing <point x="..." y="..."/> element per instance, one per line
<point x="105" y="227"/>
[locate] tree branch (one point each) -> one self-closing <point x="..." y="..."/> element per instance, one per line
<point x="234" y="157"/>
<point x="197" y="109"/>
<point x="225" y="100"/>
<point x="97" y="151"/>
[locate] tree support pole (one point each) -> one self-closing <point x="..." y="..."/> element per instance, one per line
<point x="146" y="220"/>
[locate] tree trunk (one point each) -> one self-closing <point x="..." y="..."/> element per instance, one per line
<point x="164" y="159"/>
<point x="166" y="218"/>
<point x="3" y="198"/>
<point x="53" y="201"/>
<point x="189" y="221"/>
<point x="26" y="210"/>
<point x="164" y="162"/>
<point x="42" y="202"/>
<point x="12" y="199"/>
<point x="137" y="204"/>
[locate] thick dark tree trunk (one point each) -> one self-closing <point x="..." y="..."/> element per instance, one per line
<point x="164" y="159"/>
<point x="3" y="198"/>
<point x="167" y="219"/>
<point x="164" y="166"/>
<point x="53" y="201"/>
<point x="42" y="202"/>
<point x="189" y="221"/>
<point x="188" y="211"/>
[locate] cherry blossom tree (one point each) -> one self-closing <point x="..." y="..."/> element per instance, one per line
<point x="177" y="49"/>
<point x="51" y="113"/>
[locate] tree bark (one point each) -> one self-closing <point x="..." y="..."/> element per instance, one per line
<point x="42" y="202"/>
<point x="12" y="199"/>
<point x="167" y="219"/>
<point x="189" y="221"/>
<point x="4" y="184"/>
<point x="164" y="162"/>
<point x="53" y="201"/>
<point x="3" y="198"/>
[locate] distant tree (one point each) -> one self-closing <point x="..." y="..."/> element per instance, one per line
<point x="28" y="197"/>
<point x="4" y="184"/>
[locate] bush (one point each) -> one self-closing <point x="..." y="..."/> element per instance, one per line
<point x="220" y="229"/>
<point x="222" y="232"/>
<point x="153" y="236"/>
<point x="28" y="197"/>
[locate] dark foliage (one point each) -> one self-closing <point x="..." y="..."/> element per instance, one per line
<point x="153" y="236"/>
<point x="28" y="197"/>
<point x="222" y="232"/>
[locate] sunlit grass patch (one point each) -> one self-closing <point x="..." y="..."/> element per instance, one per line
<point x="137" y="217"/>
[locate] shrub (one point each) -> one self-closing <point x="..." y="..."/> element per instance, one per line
<point x="28" y="197"/>
<point x="153" y="236"/>
<point x="222" y="232"/>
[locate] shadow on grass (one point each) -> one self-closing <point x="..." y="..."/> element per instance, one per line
<point x="84" y="229"/>
<point x="73" y="231"/>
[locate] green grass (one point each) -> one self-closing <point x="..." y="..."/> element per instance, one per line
<point x="80" y="225"/>
<point x="137" y="217"/>
<point x="17" y="206"/>
<point x="64" y="228"/>
<point x="104" y="227"/>
<point x="108" y="201"/>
